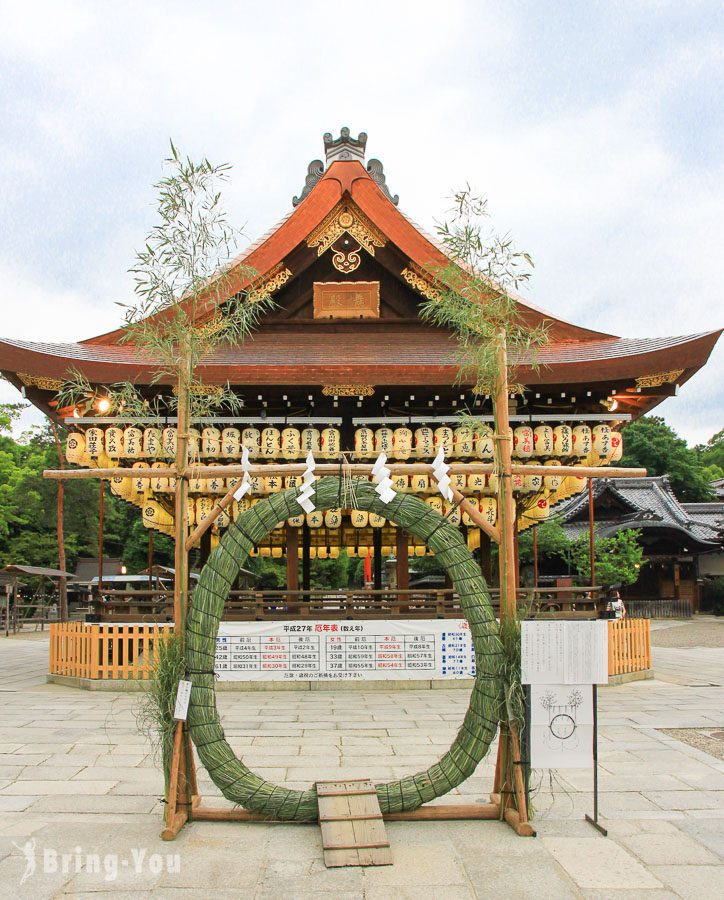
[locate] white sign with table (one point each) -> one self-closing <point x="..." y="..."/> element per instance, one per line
<point x="344" y="651"/>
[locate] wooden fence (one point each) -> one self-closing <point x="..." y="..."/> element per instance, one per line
<point x="665" y="608"/>
<point x="125" y="652"/>
<point x="103" y="651"/>
<point x="629" y="646"/>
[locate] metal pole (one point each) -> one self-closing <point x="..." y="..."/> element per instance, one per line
<point x="594" y="821"/>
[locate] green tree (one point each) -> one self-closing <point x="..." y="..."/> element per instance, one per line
<point x="712" y="453"/>
<point x="618" y="559"/>
<point x="652" y="444"/>
<point x="551" y="539"/>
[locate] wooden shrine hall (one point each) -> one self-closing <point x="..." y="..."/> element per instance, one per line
<point x="344" y="366"/>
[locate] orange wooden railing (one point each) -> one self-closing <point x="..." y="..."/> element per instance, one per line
<point x="126" y="651"/>
<point x="103" y="651"/>
<point x="629" y="646"/>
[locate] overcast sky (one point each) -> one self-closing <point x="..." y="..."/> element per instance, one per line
<point x="594" y="128"/>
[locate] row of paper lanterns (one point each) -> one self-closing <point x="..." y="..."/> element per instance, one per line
<point x="109" y="445"/>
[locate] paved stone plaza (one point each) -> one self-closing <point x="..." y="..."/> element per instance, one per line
<point x="75" y="773"/>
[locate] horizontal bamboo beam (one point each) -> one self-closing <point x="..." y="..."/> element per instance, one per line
<point x="357" y="469"/>
<point x="423" y="814"/>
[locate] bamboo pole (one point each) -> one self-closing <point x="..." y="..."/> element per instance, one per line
<point x="354" y="469"/>
<point x="506" y="501"/>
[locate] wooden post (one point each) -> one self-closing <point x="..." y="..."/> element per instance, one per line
<point x="403" y="568"/>
<point x="292" y="548"/>
<point x="181" y="557"/>
<point x="306" y="543"/>
<point x="535" y="556"/>
<point x="377" y="559"/>
<point x="101" y="525"/>
<point x="149" y="560"/>
<point x="591" y="534"/>
<point x="486" y="562"/>
<point x="62" y="583"/>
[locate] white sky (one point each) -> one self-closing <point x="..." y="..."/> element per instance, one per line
<point x="594" y="129"/>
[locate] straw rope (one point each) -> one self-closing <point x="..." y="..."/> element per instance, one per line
<point x="237" y="782"/>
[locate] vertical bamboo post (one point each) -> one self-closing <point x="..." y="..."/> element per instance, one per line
<point x="181" y="557"/>
<point x="591" y="535"/>
<point x="506" y="501"/>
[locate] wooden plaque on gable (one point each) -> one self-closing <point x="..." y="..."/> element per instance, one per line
<point x="346" y="299"/>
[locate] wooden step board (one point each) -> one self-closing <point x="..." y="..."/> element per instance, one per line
<point x="353" y="831"/>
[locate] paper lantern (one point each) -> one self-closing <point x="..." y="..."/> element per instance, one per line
<point x="359" y="518"/>
<point x="436" y="503"/>
<point x="400" y="483"/>
<point x="562" y="441"/>
<point x="271" y="439"/>
<point x="194" y="443"/>
<point x="518" y="483"/>
<point x="191" y="512"/>
<point x="402" y="443"/>
<point x="215" y="484"/>
<point x="291" y="443"/>
<point x="75" y="448"/>
<point x="532" y="483"/>
<point x="476" y="484"/>
<point x="266" y="552"/>
<point x="152" y="446"/>
<point x="377" y="521"/>
<point x="539" y="510"/>
<point x="616" y="447"/>
<point x="464" y="441"/>
<point x="231" y="443"/>
<point x="424" y="442"/>
<point x="154" y="515"/>
<point x="384" y="440"/>
<point x="121" y="487"/>
<point x="582" y="441"/>
<point x="459" y="481"/>
<point x="258" y="484"/>
<point x="523" y="442"/>
<point x="94" y="445"/>
<point x="315" y="519"/>
<point x="419" y="484"/>
<point x="159" y="485"/>
<point x="552" y="482"/>
<point x="331" y="442"/>
<point x="333" y="518"/>
<point x="466" y="520"/>
<point x="204" y="506"/>
<point x="452" y="513"/>
<point x="132" y="443"/>
<point x="489" y="509"/>
<point x="491" y="484"/>
<point x="351" y="552"/>
<point x="364" y="443"/>
<point x="113" y="440"/>
<point x="445" y="438"/>
<point x="251" y="439"/>
<point x="273" y="484"/>
<point x="141" y="486"/>
<point x="293" y="481"/>
<point x="277" y="552"/>
<point x="197" y="485"/>
<point x="223" y="520"/>
<point x="310" y="440"/>
<point x="420" y="551"/>
<point x="295" y="521"/>
<point x="169" y="439"/>
<point x="601" y="439"/>
<point x="543" y="440"/>
<point x="484" y="443"/>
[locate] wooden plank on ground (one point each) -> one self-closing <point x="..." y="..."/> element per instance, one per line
<point x="353" y="831"/>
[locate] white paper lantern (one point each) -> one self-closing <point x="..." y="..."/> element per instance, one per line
<point x="563" y="441"/>
<point x="543" y="440"/>
<point x="331" y="442"/>
<point x="445" y="438"/>
<point x="169" y="439"/>
<point x="271" y="442"/>
<point x="424" y="442"/>
<point x="251" y="439"/>
<point x="291" y="443"/>
<point x="484" y="443"/>
<point x="310" y="440"/>
<point x="402" y="443"/>
<point x="523" y="442"/>
<point x="384" y="440"/>
<point x="231" y="443"/>
<point x="464" y="441"/>
<point x="113" y="440"/>
<point x="132" y="443"/>
<point x="364" y="443"/>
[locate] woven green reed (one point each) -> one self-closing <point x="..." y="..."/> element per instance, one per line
<point x="238" y="783"/>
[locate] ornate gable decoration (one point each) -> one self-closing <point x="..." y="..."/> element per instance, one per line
<point x="421" y="281"/>
<point x="346" y="219"/>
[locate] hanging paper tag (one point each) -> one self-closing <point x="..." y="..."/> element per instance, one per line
<point x="183" y="695"/>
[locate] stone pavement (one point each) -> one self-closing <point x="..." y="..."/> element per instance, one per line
<point x="77" y="778"/>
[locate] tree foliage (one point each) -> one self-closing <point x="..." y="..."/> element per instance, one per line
<point x="618" y="559"/>
<point x="651" y="443"/>
<point x="551" y="540"/>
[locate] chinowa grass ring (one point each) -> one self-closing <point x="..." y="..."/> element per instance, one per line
<point x="235" y="780"/>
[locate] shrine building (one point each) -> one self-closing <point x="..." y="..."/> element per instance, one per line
<point x="344" y="365"/>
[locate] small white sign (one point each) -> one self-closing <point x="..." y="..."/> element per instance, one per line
<point x="561" y="726"/>
<point x="562" y="652"/>
<point x="183" y="695"/>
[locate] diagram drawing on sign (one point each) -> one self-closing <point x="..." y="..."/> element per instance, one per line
<point x="562" y="707"/>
